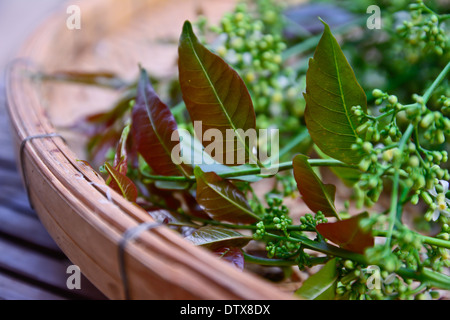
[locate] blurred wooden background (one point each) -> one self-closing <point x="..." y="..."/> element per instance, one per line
<point x="32" y="267"/>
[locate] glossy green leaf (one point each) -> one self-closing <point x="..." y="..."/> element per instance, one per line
<point x="221" y="199"/>
<point x="122" y="184"/>
<point x="216" y="237"/>
<point x="348" y="234"/>
<point x="321" y="285"/>
<point x="215" y="95"/>
<point x="316" y="195"/>
<point x="155" y="131"/>
<point x="331" y="91"/>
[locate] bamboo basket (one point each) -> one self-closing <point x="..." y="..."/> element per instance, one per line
<point x="86" y="218"/>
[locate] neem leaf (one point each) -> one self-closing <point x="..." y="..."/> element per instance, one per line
<point x="153" y="127"/>
<point x="321" y="285"/>
<point x="221" y="199"/>
<point x="316" y="195"/>
<point x="347" y="233"/>
<point x="121" y="156"/>
<point x="122" y="184"/>
<point x="216" y="95"/>
<point x="216" y="237"/>
<point x="232" y="255"/>
<point x="331" y="91"/>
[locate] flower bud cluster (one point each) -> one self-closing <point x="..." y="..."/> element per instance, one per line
<point x="425" y="29"/>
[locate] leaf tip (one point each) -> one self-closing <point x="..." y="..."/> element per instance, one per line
<point x="324" y="23"/>
<point x="198" y="171"/>
<point x="187" y="28"/>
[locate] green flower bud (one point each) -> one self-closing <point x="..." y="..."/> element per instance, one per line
<point x="377" y="93"/>
<point x="440" y="137"/>
<point x="434" y="294"/>
<point x="393" y="132"/>
<point x="427" y="120"/>
<point x="419" y="182"/>
<point x="364" y="165"/>
<point x="443" y="235"/>
<point x="414" y="161"/>
<point x="392" y="99"/>
<point x="415" y="199"/>
<point x="349" y="264"/>
<point x="429" y="215"/>
<point x="388" y="155"/>
<point x="421" y="296"/>
<point x="426" y="197"/>
<point x="367" y="147"/>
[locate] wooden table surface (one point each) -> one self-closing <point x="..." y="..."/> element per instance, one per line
<point x="32" y="267"/>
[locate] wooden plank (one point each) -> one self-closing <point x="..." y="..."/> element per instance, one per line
<point x="48" y="271"/>
<point x="33" y="265"/>
<point x="27" y="229"/>
<point x="16" y="289"/>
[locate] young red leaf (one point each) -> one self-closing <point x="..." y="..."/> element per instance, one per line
<point x="122" y="184"/>
<point x="155" y="131"/>
<point x="232" y="255"/>
<point x="316" y="195"/>
<point x="121" y="156"/>
<point x="221" y="199"/>
<point x="347" y="233"/>
<point x="214" y="238"/>
<point x="331" y="91"/>
<point x="216" y="95"/>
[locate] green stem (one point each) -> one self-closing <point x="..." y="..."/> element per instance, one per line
<point x="322" y="247"/>
<point x="252" y="171"/>
<point x="425" y="239"/>
<point x="268" y="262"/>
<point x="280" y="262"/>
<point x="432" y="278"/>
<point x="395" y="187"/>
<point x="436" y="82"/>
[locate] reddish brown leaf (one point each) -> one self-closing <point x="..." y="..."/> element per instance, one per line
<point x="221" y="199"/>
<point x="232" y="255"/>
<point x="316" y="195"/>
<point x="213" y="238"/>
<point x="122" y="184"/>
<point x="215" y="94"/>
<point x="347" y="234"/>
<point x="153" y="127"/>
<point x="121" y="156"/>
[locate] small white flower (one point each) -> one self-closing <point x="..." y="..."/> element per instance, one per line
<point x="442" y="203"/>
